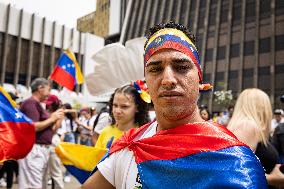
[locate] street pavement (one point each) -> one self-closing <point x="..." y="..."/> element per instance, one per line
<point x="74" y="184"/>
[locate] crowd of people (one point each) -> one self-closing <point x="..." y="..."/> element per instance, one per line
<point x="150" y="143"/>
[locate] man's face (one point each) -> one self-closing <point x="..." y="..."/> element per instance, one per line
<point x="173" y="83"/>
<point x="43" y="91"/>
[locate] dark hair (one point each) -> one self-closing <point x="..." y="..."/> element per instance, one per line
<point x="69" y="115"/>
<point x="38" y="82"/>
<point x="141" y="116"/>
<point x="202" y="109"/>
<point x="151" y="31"/>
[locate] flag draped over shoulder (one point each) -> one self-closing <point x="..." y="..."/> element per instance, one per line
<point x="67" y="72"/>
<point x="79" y="160"/>
<point x="17" y="132"/>
<point x="197" y="155"/>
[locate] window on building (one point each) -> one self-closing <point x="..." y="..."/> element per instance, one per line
<point x="219" y="82"/>
<point x="237" y="12"/>
<point x="235" y="50"/>
<point x="201" y="18"/>
<point x="249" y="48"/>
<point x="279" y="42"/>
<point x="248" y="72"/>
<point x="248" y="78"/>
<point x="224" y="11"/>
<point x="209" y="55"/>
<point x="233" y="74"/>
<point x="264" y="78"/>
<point x="202" y="4"/>
<point x="250" y="11"/>
<point x="221" y="54"/>
<point x="207" y="77"/>
<point x="212" y="14"/>
<point x="233" y="80"/>
<point x="264" y="8"/>
<point x="264" y="45"/>
<point x="279" y="7"/>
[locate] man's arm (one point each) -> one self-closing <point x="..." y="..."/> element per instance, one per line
<point x="97" y="181"/>
<point x="41" y="125"/>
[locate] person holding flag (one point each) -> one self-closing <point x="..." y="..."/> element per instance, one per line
<point x="33" y="167"/>
<point x="67" y="72"/>
<point x="179" y="149"/>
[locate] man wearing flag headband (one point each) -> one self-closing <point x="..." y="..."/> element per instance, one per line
<point x="179" y="149"/>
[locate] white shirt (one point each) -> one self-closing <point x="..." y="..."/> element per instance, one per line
<point x="104" y="120"/>
<point x="120" y="169"/>
<point x="274" y="123"/>
<point x="66" y="126"/>
<point x="92" y="120"/>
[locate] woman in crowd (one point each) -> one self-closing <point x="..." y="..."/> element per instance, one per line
<point x="67" y="130"/>
<point x="251" y="124"/>
<point x="54" y="165"/>
<point x="127" y="110"/>
<point x="85" y="127"/>
<point x="204" y="114"/>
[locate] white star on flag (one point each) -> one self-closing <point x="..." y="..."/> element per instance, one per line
<point x="64" y="67"/>
<point x="18" y="115"/>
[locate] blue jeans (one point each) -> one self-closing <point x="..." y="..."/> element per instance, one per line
<point x="69" y="137"/>
<point x="86" y="140"/>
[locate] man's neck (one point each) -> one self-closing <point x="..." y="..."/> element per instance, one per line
<point x="164" y="123"/>
<point x="36" y="97"/>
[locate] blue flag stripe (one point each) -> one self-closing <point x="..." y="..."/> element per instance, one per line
<point x="10" y="114"/>
<point x="234" y="167"/>
<point x="79" y="174"/>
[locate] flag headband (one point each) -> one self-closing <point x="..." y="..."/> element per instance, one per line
<point x="171" y="38"/>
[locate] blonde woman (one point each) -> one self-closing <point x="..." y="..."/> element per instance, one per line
<point x="251" y="124"/>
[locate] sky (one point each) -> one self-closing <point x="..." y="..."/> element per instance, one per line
<point x="63" y="11"/>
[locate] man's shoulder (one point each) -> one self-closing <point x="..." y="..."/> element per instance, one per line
<point x="28" y="102"/>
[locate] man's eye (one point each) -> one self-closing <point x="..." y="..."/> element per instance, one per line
<point x="155" y="69"/>
<point x="182" y="68"/>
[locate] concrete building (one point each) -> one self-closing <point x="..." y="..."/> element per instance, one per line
<point x="96" y="22"/>
<point x="30" y="46"/>
<point x="86" y="23"/>
<point x="240" y="42"/>
<point x="106" y="21"/>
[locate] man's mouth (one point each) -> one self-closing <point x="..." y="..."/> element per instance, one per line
<point x="170" y="94"/>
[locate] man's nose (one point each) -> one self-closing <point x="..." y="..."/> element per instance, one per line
<point x="169" y="78"/>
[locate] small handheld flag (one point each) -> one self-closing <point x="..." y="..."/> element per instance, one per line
<point x="17" y="132"/>
<point x="67" y="72"/>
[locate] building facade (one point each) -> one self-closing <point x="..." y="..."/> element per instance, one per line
<point x="96" y="22"/>
<point x="86" y="23"/>
<point x="240" y="42"/>
<point x="30" y="46"/>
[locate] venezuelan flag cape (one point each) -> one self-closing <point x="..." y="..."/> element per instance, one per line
<point x="197" y="155"/>
<point x="67" y="72"/>
<point x="17" y="132"/>
<point x="79" y="160"/>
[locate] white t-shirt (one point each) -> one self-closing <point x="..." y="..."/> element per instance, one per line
<point x="104" y="120"/>
<point x="92" y="120"/>
<point x="66" y="126"/>
<point x="120" y="169"/>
